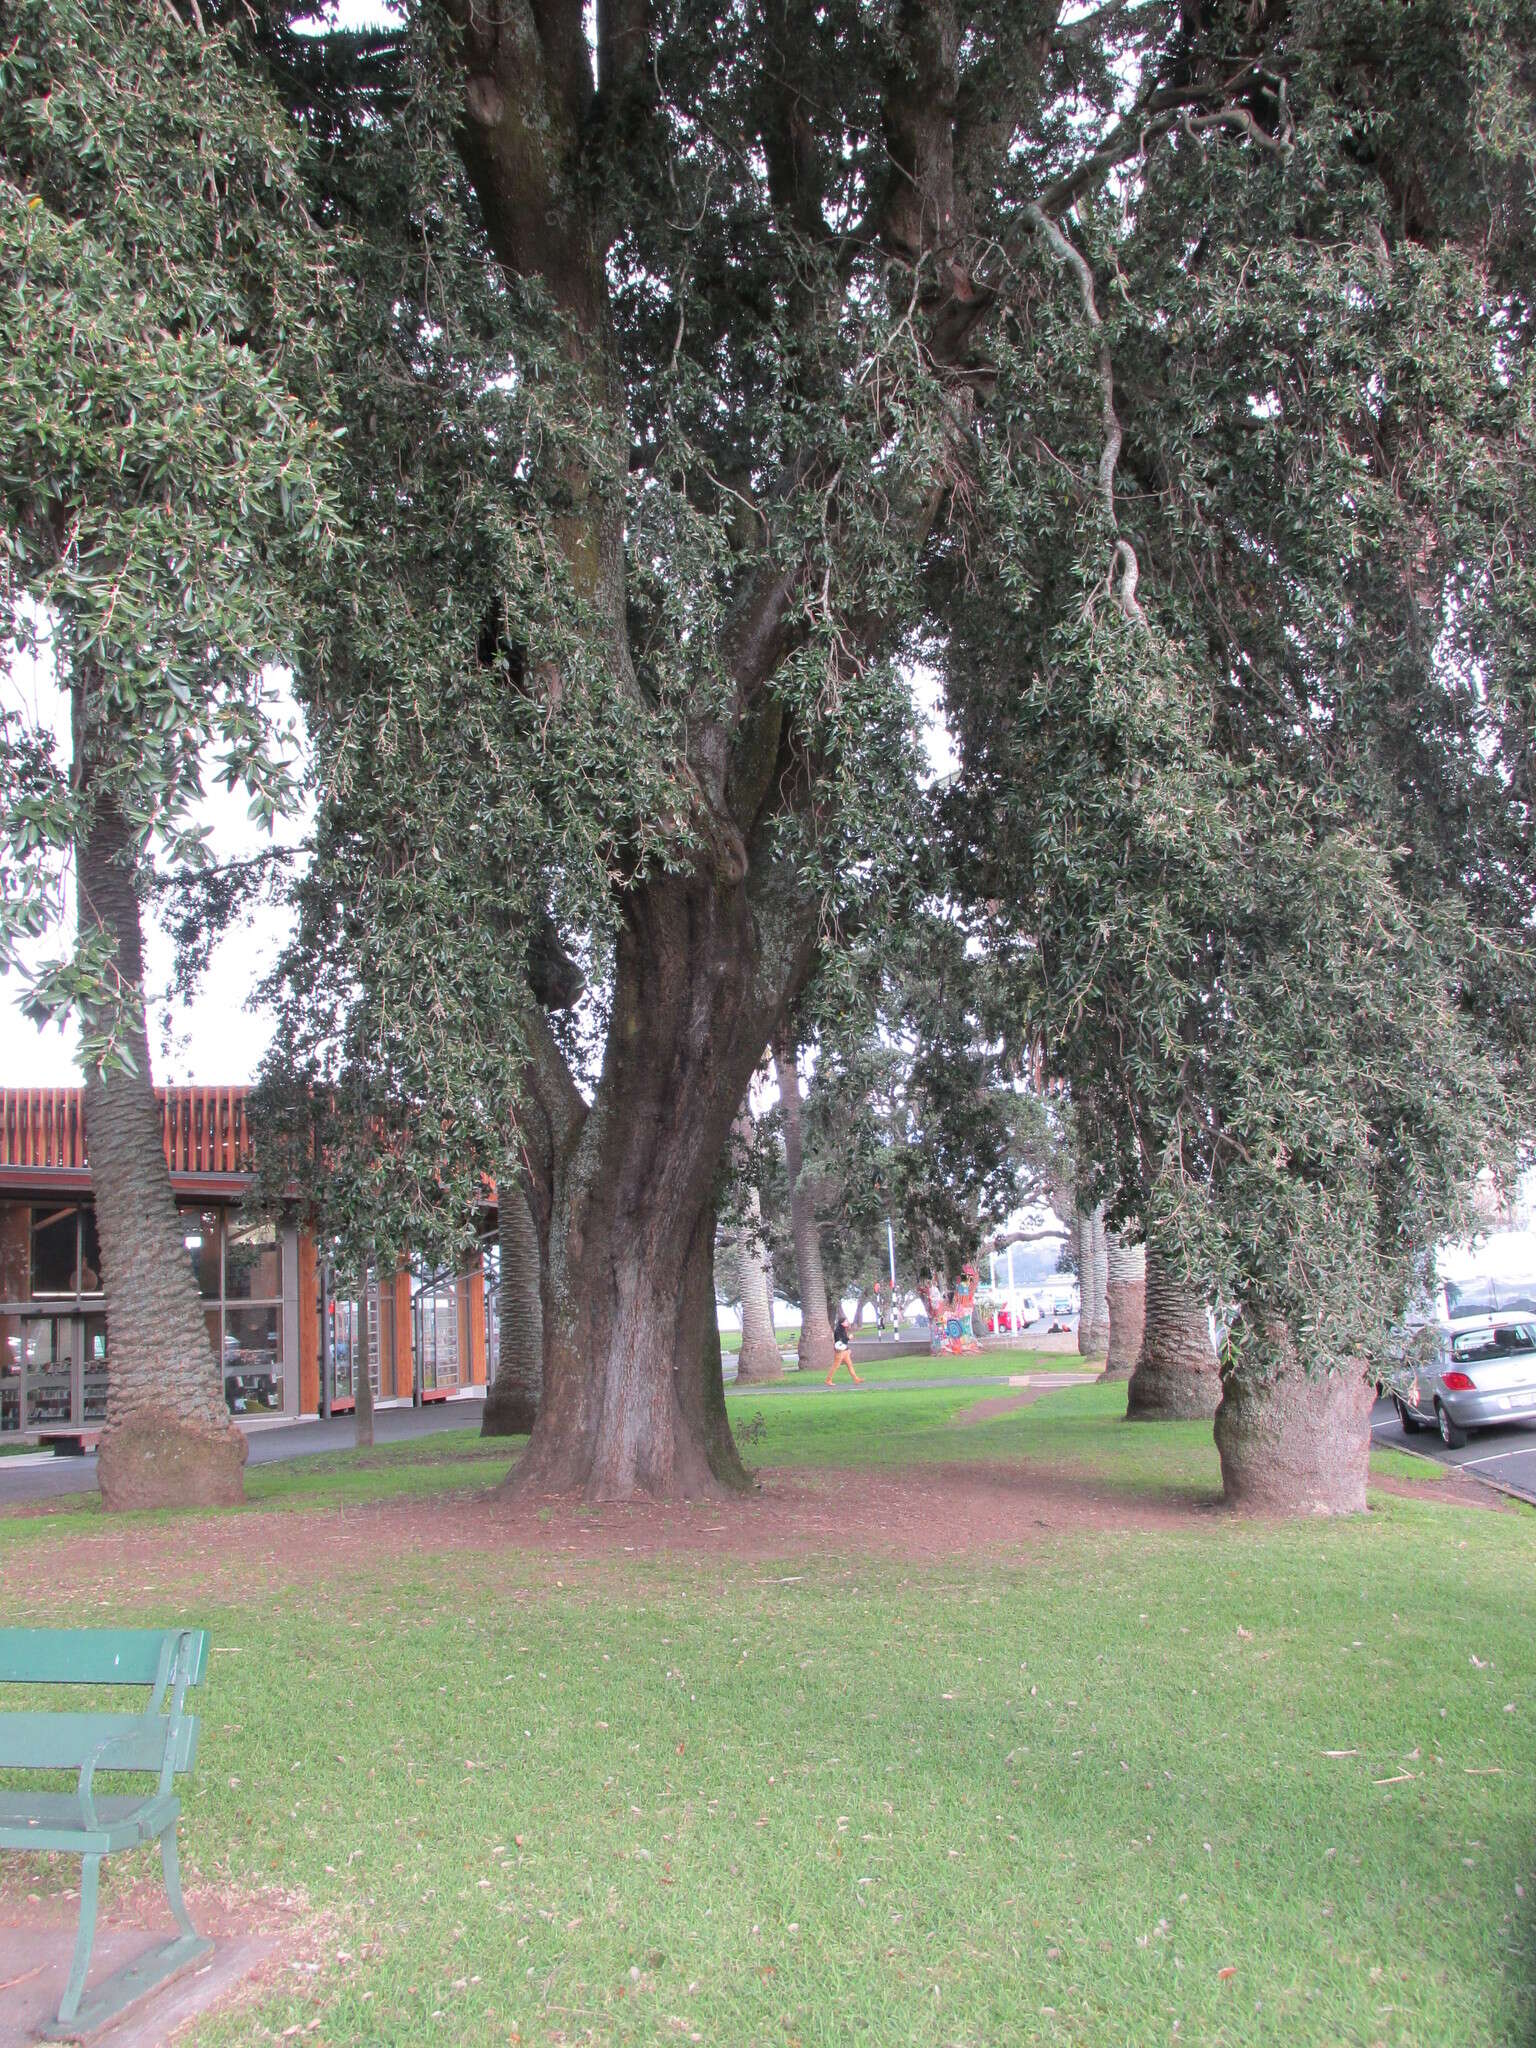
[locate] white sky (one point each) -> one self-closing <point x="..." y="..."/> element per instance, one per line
<point x="217" y="1039"/>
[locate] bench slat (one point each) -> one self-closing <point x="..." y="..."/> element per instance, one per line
<point x="92" y="1656"/>
<point x="52" y="1820"/>
<point x="63" y="1742"/>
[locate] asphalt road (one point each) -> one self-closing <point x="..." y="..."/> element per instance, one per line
<point x="1506" y="1457"/>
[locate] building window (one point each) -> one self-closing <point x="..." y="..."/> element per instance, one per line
<point x="202" y="1232"/>
<point x="238" y="1264"/>
<point x="64" y="1256"/>
<point x="53" y="1358"/>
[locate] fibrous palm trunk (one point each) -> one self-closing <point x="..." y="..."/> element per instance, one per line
<point x="1176" y="1376"/>
<point x="1292" y="1442"/>
<point x="1125" y="1300"/>
<point x="512" y="1402"/>
<point x="759" y="1359"/>
<point x="167" y="1440"/>
<point x="362" y="1375"/>
<point x="815" y="1324"/>
<point x="1092" y="1279"/>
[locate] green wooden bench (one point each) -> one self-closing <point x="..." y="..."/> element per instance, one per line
<point x="160" y="1739"/>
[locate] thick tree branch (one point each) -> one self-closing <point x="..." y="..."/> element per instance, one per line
<point x="1124" y="573"/>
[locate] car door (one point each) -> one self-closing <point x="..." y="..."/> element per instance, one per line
<point x="1425" y="1361"/>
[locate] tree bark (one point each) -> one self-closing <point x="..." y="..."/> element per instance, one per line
<point x="759" y="1358"/>
<point x="634" y="1402"/>
<point x="1292" y="1443"/>
<point x="815" y="1323"/>
<point x="1125" y="1301"/>
<point x="362" y="1379"/>
<point x="1176" y="1376"/>
<point x="512" y="1403"/>
<point x="1092" y="1278"/>
<point x="167" y="1440"/>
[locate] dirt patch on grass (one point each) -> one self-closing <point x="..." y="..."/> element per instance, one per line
<point x="44" y="1892"/>
<point x="930" y="1511"/>
<point x="999" y="1404"/>
<point x="1454" y="1490"/>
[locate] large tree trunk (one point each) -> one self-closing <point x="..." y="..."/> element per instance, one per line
<point x="815" y="1323"/>
<point x="1092" y="1279"/>
<point x="167" y="1440"/>
<point x="1125" y="1301"/>
<point x="634" y="1401"/>
<point x="512" y="1402"/>
<point x="1176" y="1376"/>
<point x="1292" y="1443"/>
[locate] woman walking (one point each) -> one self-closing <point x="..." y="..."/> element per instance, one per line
<point x="841" y="1354"/>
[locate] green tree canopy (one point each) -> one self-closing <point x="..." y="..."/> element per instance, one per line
<point x="1263" y="808"/>
<point x="1158" y="373"/>
<point x="162" y="449"/>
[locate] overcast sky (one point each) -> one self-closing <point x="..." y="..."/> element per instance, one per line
<point x="219" y="1038"/>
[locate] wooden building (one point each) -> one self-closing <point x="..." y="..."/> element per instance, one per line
<point x="290" y="1331"/>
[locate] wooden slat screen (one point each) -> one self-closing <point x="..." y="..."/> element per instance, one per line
<point x="205" y="1129"/>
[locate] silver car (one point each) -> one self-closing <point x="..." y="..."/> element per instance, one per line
<point x="1458" y="1380"/>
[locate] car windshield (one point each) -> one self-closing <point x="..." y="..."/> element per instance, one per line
<point x="1507" y="1341"/>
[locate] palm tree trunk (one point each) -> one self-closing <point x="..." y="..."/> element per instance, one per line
<point x="1125" y="1299"/>
<point x="760" y="1356"/>
<point x="1176" y="1376"/>
<point x="362" y="1379"/>
<point x="1092" y="1280"/>
<point x="1292" y="1442"/>
<point x="815" y="1323"/>
<point x="512" y="1403"/>
<point x="759" y="1359"/>
<point x="167" y="1440"/>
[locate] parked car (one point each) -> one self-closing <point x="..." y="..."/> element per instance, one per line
<point x="1456" y="1380"/>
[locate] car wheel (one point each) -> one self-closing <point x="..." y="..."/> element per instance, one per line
<point x="1410" y="1421"/>
<point x="1452" y="1435"/>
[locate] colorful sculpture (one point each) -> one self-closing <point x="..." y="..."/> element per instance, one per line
<point x="951" y="1329"/>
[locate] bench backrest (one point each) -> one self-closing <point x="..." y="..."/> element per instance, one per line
<point x="101" y="1656"/>
<point x="161" y="1736"/>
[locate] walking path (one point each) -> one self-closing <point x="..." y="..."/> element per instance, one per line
<point x="803" y="1383"/>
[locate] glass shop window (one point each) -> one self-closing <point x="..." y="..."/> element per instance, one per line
<point x="200" y="1233"/>
<point x="55" y="1251"/>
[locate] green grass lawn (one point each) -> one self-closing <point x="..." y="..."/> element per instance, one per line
<point x="730" y="1340"/>
<point x="1231" y="1783"/>
<point x="1001" y="1360"/>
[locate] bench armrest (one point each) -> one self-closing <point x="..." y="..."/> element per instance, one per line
<point x="99" y="1759"/>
